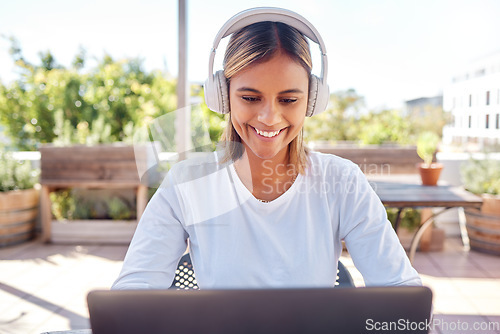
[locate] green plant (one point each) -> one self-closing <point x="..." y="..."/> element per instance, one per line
<point x="410" y="218"/>
<point x="90" y="204"/>
<point x="16" y="174"/>
<point x="118" y="209"/>
<point x="75" y="105"/>
<point x="481" y="176"/>
<point x="63" y="204"/>
<point x="426" y="146"/>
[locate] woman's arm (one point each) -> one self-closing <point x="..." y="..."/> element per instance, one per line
<point x="158" y="243"/>
<point x="370" y="237"/>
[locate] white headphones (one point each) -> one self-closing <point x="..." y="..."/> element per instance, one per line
<point x="216" y="90"/>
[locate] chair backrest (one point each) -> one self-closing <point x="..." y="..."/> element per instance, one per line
<point x="344" y="278"/>
<point x="185" y="280"/>
<point x="184" y="275"/>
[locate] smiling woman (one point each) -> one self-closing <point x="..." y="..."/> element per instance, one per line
<point x="268" y="106"/>
<point x="272" y="58"/>
<point x="263" y="203"/>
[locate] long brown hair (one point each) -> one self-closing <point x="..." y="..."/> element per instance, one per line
<point x="255" y="44"/>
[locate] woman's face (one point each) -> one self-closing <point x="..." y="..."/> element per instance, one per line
<point x="268" y="105"/>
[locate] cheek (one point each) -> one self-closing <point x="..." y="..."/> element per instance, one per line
<point x="299" y="114"/>
<point x="240" y="111"/>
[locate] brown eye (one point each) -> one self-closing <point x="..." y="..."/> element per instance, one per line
<point x="250" y="98"/>
<point x="287" y="101"/>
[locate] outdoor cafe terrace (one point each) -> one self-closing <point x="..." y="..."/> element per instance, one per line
<point x="43" y="286"/>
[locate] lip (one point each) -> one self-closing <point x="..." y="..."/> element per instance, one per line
<point x="268" y="138"/>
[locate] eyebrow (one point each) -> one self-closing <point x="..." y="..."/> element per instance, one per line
<point x="248" y="89"/>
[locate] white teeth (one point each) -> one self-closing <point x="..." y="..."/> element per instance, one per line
<point x="267" y="134"/>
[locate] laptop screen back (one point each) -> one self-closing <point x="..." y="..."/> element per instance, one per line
<point x="349" y="310"/>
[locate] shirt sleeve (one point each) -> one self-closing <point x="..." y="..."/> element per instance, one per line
<point x="158" y="243"/>
<point x="370" y="238"/>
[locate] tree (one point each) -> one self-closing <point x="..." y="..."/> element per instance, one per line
<point x="387" y="126"/>
<point x="338" y="122"/>
<point x="50" y="103"/>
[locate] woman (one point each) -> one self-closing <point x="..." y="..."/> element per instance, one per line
<point x="263" y="211"/>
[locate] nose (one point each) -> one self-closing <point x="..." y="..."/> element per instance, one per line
<point x="269" y="114"/>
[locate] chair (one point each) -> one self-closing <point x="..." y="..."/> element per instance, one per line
<point x="344" y="278"/>
<point x="184" y="275"/>
<point x="185" y="280"/>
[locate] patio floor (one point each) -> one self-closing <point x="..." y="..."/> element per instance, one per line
<point x="43" y="287"/>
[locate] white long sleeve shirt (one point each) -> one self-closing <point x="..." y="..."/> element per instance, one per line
<point x="236" y="241"/>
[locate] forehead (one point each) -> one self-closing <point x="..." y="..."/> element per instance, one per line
<point x="280" y="71"/>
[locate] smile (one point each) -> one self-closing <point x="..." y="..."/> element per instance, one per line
<point x="267" y="134"/>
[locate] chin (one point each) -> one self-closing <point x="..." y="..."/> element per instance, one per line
<point x="265" y="155"/>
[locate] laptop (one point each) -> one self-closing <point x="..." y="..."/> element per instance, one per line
<point x="317" y="310"/>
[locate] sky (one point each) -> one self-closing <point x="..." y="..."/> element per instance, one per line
<point x="389" y="51"/>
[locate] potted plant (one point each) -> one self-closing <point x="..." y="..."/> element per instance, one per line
<point x="18" y="200"/>
<point x="482" y="177"/>
<point x="427" y="144"/>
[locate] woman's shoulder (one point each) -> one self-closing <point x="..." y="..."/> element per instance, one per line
<point x="331" y="163"/>
<point x="196" y="167"/>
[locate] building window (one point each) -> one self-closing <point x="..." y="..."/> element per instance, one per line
<point x="470" y="100"/>
<point x="487" y="121"/>
<point x="497" y="121"/>
<point x="488" y="98"/>
<point x="470" y="121"/>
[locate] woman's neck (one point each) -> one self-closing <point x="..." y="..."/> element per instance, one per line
<point x="267" y="179"/>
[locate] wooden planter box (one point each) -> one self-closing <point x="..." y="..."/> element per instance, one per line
<point x="93" y="231"/>
<point x="483" y="226"/>
<point x="18" y="212"/>
<point x="109" y="166"/>
<point x="374" y="159"/>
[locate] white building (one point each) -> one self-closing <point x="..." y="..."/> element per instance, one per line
<point x="473" y="98"/>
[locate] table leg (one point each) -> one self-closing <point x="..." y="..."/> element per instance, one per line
<point x="463" y="229"/>
<point x="398" y="219"/>
<point x="420" y="232"/>
<point x="46" y="213"/>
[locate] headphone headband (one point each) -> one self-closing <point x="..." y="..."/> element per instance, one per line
<point x="261" y="14"/>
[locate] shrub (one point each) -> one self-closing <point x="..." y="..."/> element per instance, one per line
<point x="16" y="174"/>
<point x="481" y="176"/>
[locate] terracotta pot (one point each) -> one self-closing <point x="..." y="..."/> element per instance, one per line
<point x="18" y="212"/>
<point x="430" y="174"/>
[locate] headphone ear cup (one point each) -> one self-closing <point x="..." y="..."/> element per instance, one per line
<point x="313" y="94"/>
<point x="216" y="93"/>
<point x="319" y="94"/>
<point x="210" y="99"/>
<point x="223" y="92"/>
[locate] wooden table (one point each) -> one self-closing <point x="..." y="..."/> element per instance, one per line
<point x="406" y="191"/>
